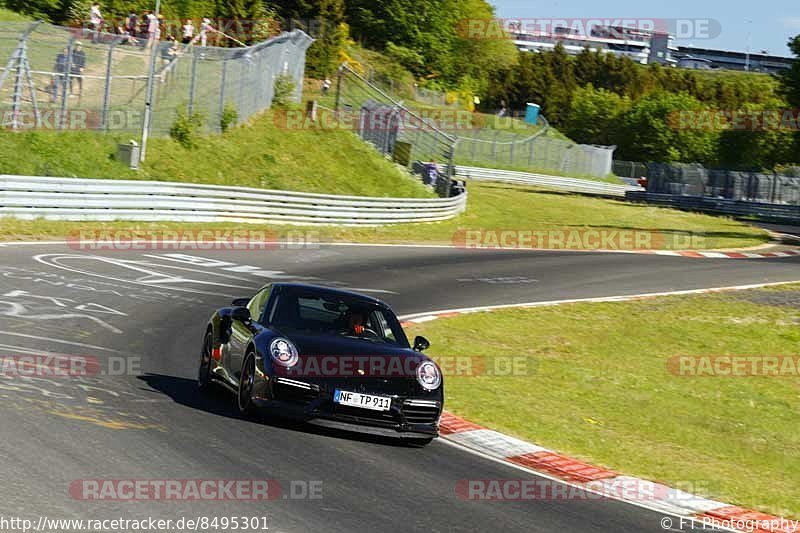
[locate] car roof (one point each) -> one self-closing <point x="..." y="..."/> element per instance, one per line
<point x="330" y="291"/>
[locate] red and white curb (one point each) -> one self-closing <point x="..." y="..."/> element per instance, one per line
<point x="728" y="255"/>
<point x="419" y="318"/>
<point x="604" y="482"/>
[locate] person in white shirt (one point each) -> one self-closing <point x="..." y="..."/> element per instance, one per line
<point x="205" y="28"/>
<point x="188" y="31"/>
<point x="95" y="21"/>
<point x="152" y="28"/>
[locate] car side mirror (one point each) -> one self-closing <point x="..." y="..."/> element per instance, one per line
<point x="242" y="314"/>
<point x="240" y="302"/>
<point x="421" y="343"/>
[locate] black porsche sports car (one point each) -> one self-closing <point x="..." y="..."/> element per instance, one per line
<point x="326" y="356"/>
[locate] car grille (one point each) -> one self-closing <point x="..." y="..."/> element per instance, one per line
<point x="419" y="413"/>
<point x="365" y="414"/>
<point x="290" y="393"/>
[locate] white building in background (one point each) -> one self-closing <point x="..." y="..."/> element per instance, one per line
<point x="642" y="46"/>
<point x="645" y="47"/>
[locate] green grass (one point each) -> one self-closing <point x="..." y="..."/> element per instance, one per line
<point x="596" y="386"/>
<point x="494" y="207"/>
<point x="260" y="154"/>
<point x="6" y="15"/>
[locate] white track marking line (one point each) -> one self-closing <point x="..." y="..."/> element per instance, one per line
<point x="432" y="315"/>
<point x="59" y="341"/>
<point x="676" y="253"/>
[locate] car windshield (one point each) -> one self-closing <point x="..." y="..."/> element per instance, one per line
<point x="326" y="314"/>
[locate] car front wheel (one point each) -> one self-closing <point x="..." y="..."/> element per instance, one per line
<point x="246" y="384"/>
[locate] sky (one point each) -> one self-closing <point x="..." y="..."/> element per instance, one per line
<point x="770" y="23"/>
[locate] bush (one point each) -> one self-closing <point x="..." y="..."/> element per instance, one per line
<point x="230" y="117"/>
<point x="284" y="91"/>
<point x="186" y="127"/>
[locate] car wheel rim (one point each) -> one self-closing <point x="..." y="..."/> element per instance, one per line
<point x="246" y="385"/>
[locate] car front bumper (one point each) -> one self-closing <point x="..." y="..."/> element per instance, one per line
<point x="408" y="417"/>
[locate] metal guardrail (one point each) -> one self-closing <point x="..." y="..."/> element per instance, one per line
<point x="97" y="199"/>
<point x="781" y="212"/>
<point x="582" y="186"/>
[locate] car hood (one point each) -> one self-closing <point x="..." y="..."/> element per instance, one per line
<point x="322" y="345"/>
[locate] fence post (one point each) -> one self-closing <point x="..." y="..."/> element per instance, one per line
<point x="193" y="81"/>
<point x="339" y="87"/>
<point x="67" y="84"/>
<point x="107" y="88"/>
<point x="17" y="103"/>
<point x="223" y="80"/>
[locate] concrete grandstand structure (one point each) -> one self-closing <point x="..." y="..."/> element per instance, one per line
<point x="647" y="46"/>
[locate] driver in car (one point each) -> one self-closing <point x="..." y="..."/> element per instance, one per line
<point x="356" y="322"/>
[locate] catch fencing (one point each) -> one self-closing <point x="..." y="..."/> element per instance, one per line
<point x="29" y="197"/>
<point x="695" y="180"/>
<point x="538" y="152"/>
<point x="383" y="121"/>
<point x="71" y="78"/>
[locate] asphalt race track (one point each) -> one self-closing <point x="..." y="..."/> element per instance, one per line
<point x="150" y="308"/>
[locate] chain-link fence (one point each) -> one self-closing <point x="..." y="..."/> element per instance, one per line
<point x="72" y="78"/>
<point x="695" y="180"/>
<point x="535" y="153"/>
<point x="372" y="109"/>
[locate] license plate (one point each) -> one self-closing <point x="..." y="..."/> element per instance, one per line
<point x="366" y="401"/>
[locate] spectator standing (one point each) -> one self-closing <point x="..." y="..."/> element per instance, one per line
<point x="78" y="66"/>
<point x="59" y="69"/>
<point x="132" y="23"/>
<point x="205" y="29"/>
<point x="431" y="175"/>
<point x="152" y="29"/>
<point x="188" y="32"/>
<point x="326" y="86"/>
<point x="95" y="21"/>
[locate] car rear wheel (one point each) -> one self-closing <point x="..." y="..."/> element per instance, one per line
<point x="204" y="380"/>
<point x="246" y="383"/>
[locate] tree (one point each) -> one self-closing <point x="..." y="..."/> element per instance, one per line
<point x="665" y="127"/>
<point x="790" y="79"/>
<point x="323" y="56"/>
<point x="594" y="117"/>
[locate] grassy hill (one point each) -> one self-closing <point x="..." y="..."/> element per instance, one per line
<point x="259" y="154"/>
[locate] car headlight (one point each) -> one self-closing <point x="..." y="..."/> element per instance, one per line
<point x="429" y="376"/>
<point x="283" y="352"/>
